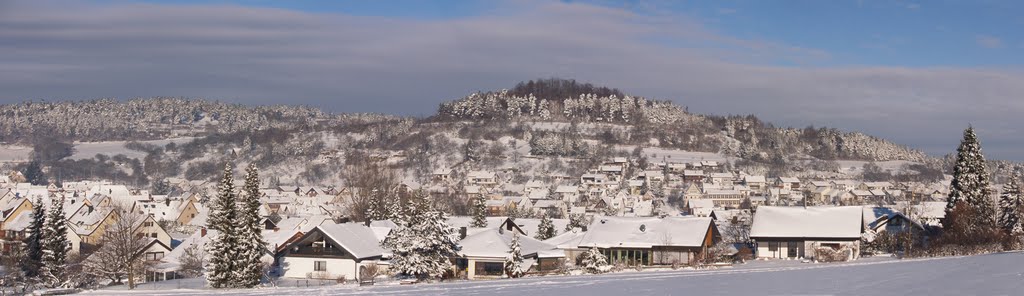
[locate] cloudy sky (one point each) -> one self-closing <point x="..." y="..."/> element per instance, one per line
<point x="914" y="72"/>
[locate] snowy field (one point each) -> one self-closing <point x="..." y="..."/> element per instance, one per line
<point x="853" y="167"/>
<point x="996" y="274"/>
<point x="85" y="150"/>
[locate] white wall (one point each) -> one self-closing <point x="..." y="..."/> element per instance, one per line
<point x="301" y="267"/>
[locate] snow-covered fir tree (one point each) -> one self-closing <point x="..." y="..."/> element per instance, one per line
<point x="377" y="207"/>
<point x="593" y="261"/>
<point x="423" y="243"/>
<point x="55" y="246"/>
<point x="971" y="180"/>
<point x="249" y="269"/>
<point x="576" y="221"/>
<point x="34" y="242"/>
<point x="546" y="228"/>
<point x="514" y="259"/>
<point x="224" y="248"/>
<point x="479" y="211"/>
<point x="1010" y="208"/>
<point x="393" y="207"/>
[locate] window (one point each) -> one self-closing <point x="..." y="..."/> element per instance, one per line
<point x="153" y="235"/>
<point x="320" y="266"/>
<point x="154" y="256"/>
<point x="773" y="246"/>
<point x="490" y="268"/>
<point x="147" y="224"/>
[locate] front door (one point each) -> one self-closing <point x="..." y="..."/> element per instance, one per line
<point x="791" y="249"/>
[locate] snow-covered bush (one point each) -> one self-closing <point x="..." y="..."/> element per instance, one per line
<point x="592" y="261"/>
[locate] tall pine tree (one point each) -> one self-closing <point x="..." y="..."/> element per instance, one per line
<point x="55" y="246"/>
<point x="424" y="243"/>
<point x="514" y="259"/>
<point x="34" y="242"/>
<point x="249" y="269"/>
<point x="479" y="211"/>
<point x="970" y="182"/>
<point x="1010" y="208"/>
<point x="225" y="247"/>
<point x="546" y="228"/>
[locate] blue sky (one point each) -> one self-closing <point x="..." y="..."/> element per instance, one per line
<point x="915" y="72"/>
<point x="857" y="32"/>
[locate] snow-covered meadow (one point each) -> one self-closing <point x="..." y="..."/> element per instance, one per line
<point x="995" y="274"/>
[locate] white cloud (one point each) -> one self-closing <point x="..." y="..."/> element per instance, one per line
<point x="348" y="63"/>
<point x="988" y="41"/>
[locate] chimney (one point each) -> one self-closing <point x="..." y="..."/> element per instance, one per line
<point x="202" y="231"/>
<point x="462" y="232"/>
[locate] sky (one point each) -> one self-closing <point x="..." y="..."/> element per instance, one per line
<point x="914" y="72"/>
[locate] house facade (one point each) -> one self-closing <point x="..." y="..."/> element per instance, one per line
<point x="798" y="232"/>
<point x="330" y="251"/>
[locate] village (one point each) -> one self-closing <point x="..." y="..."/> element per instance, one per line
<point x="723" y="217"/>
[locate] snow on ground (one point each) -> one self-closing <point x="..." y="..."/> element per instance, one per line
<point x="995" y="274"/>
<point x="854" y="167"/>
<point x="14" y="153"/>
<point x="85" y="150"/>
<point x="679" y="156"/>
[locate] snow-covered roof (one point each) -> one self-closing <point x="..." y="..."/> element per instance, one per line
<point x="646" y="232"/>
<point x="355" y="238"/>
<point x="754" y="179"/>
<point x="789" y="180"/>
<point x="566" y="189"/>
<point x="493" y="243"/>
<point x="809" y="222"/>
<point x="701" y="203"/>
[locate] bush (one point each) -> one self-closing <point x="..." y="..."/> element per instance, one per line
<point x="826" y="254"/>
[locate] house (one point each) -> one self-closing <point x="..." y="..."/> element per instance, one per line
<point x="651" y="241"/>
<point x="883" y="219"/>
<point x="482" y="178"/>
<point x="482" y="254"/>
<point x="569" y="194"/>
<point x="722" y="178"/>
<point x="330" y="251"/>
<point x="693" y="176"/>
<point x="787" y="183"/>
<point x="441" y="174"/>
<point x="796" y="232"/>
<point x="756" y="183"/>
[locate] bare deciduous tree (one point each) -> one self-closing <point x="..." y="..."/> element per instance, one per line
<point x="119" y="255"/>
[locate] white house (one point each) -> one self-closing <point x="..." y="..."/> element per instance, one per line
<point x="651" y="241"/>
<point x="331" y="251"/>
<point x="482" y="254"/>
<point x="795" y="232"/>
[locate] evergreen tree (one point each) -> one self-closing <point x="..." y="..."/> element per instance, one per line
<point x="249" y="268"/>
<point x="377" y="208"/>
<point x="423" y="243"/>
<point x="514" y="259"/>
<point x="513" y="212"/>
<point x="34" y="242"/>
<point x="970" y="182"/>
<point x="1010" y="208"/>
<point x="33" y="173"/>
<point x="479" y="211"/>
<point x="224" y="248"/>
<point x="162" y="187"/>
<point x="576" y="221"/>
<point x="546" y="229"/>
<point x="55" y="246"/>
<point x="393" y="207"/>
<point x="593" y="260"/>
